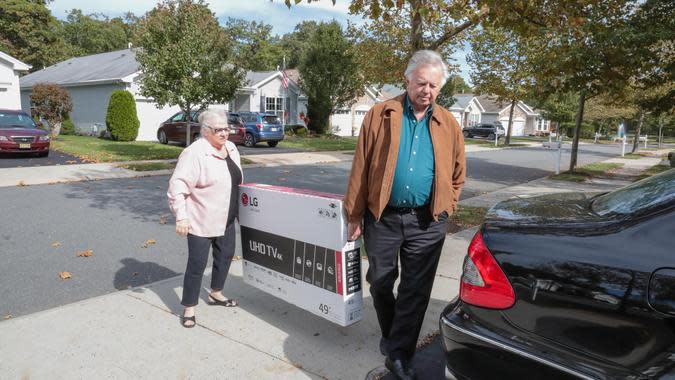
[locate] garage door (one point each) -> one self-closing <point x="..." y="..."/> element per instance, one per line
<point x="517" y="128"/>
<point x="150" y="118"/>
<point x="358" y="120"/>
<point x="341" y="122"/>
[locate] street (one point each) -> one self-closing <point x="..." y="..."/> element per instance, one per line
<point x="44" y="227"/>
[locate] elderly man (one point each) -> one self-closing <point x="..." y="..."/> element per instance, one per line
<point x="203" y="194"/>
<point x="406" y="178"/>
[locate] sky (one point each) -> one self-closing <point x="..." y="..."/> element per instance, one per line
<point x="275" y="13"/>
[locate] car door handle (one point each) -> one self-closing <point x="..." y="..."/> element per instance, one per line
<point x="662" y="291"/>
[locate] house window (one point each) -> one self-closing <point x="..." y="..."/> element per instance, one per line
<point x="542" y="125"/>
<point x="474" y="119"/>
<point x="361" y="113"/>
<point x="341" y="112"/>
<point x="274" y="105"/>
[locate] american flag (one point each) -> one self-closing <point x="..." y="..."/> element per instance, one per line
<point x="284" y="78"/>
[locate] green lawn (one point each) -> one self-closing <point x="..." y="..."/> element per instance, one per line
<point x="319" y="143"/>
<point x="94" y="149"/>
<point x="656" y="169"/>
<point x="149" y="166"/>
<point x="588" y="171"/>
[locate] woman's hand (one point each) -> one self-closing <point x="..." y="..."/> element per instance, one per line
<point x="182" y="227"/>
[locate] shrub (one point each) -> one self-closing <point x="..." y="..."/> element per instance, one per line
<point x="302" y="132"/>
<point x="52" y="103"/>
<point x="671" y="158"/>
<point x="67" y="127"/>
<point x="121" y="119"/>
<point x="587" y="130"/>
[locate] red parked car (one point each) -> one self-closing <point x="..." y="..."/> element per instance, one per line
<point x="20" y="134"/>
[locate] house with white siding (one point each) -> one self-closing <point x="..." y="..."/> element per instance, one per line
<point x="10" y="70"/>
<point x="90" y="80"/>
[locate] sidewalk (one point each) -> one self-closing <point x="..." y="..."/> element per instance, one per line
<point x="137" y="334"/>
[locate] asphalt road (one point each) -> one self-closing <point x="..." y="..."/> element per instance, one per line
<point x="44" y="227"/>
<point x="16" y="160"/>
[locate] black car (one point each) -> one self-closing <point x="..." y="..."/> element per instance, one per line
<point x="484" y="130"/>
<point x="569" y="286"/>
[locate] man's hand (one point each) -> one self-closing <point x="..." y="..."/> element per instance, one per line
<point x="353" y="231"/>
<point x="182" y="227"/>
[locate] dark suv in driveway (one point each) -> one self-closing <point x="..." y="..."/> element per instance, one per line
<point x="173" y="129"/>
<point x="261" y="127"/>
<point x="20" y="134"/>
<point x="484" y="130"/>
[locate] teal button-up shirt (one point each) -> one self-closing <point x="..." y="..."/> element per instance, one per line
<point x="414" y="175"/>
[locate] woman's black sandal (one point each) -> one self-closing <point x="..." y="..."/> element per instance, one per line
<point x="186" y="319"/>
<point x="227" y="303"/>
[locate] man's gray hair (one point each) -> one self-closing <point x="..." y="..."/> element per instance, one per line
<point x="430" y="58"/>
<point x="211" y="118"/>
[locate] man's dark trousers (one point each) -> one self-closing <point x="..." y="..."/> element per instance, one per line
<point x="413" y="235"/>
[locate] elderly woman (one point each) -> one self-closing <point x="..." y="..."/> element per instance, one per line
<point x="203" y="196"/>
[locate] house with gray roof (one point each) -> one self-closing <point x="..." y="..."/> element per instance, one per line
<point x="488" y="109"/>
<point x="10" y="68"/>
<point x="90" y="80"/>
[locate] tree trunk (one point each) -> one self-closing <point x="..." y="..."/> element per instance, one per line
<point x="188" y="130"/>
<point x="660" y="131"/>
<point x="416" y="27"/>
<point x="507" y="140"/>
<point x="636" y="140"/>
<point x="56" y="129"/>
<point x="577" y="131"/>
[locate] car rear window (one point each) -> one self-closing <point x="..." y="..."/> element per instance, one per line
<point x="271" y="120"/>
<point x="16" y="120"/>
<point x="642" y="195"/>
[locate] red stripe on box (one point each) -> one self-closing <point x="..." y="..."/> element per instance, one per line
<point x="338" y="271"/>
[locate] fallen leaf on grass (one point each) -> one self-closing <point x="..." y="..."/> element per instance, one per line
<point x="148" y="243"/>
<point x="86" y="253"/>
<point x="65" y="275"/>
<point x="22" y="183"/>
<point x="162" y="219"/>
<point x="71" y="162"/>
<point x="56" y="244"/>
<point x="8" y="316"/>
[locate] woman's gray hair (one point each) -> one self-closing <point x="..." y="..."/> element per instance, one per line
<point x="210" y="118"/>
<point x="430" y="58"/>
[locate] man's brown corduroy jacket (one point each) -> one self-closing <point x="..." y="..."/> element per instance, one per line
<point x="375" y="160"/>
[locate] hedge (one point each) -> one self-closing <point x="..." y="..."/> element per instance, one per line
<point x="121" y="119"/>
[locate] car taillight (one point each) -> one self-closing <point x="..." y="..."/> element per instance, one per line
<point x="259" y="126"/>
<point x="483" y="282"/>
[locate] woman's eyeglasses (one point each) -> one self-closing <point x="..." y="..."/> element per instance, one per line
<point x="219" y="130"/>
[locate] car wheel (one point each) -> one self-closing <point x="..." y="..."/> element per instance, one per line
<point x="466" y="134"/>
<point x="491" y="136"/>
<point x="196" y="137"/>
<point x="272" y="144"/>
<point x="161" y="136"/>
<point x="249" y="140"/>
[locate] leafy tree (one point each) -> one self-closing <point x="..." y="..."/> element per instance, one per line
<point x="185" y="57"/>
<point x="499" y="63"/>
<point x="329" y="75"/>
<point x="454" y="85"/>
<point x="295" y="44"/>
<point x="255" y="48"/>
<point x="93" y="33"/>
<point x="52" y="103"/>
<point x="121" y="118"/>
<point x="29" y="32"/>
<point x="588" y="56"/>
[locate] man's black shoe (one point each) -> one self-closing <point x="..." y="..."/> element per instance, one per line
<point x="399" y="369"/>
<point x="383" y="346"/>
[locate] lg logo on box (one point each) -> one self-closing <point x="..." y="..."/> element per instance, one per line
<point x="247" y="201"/>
